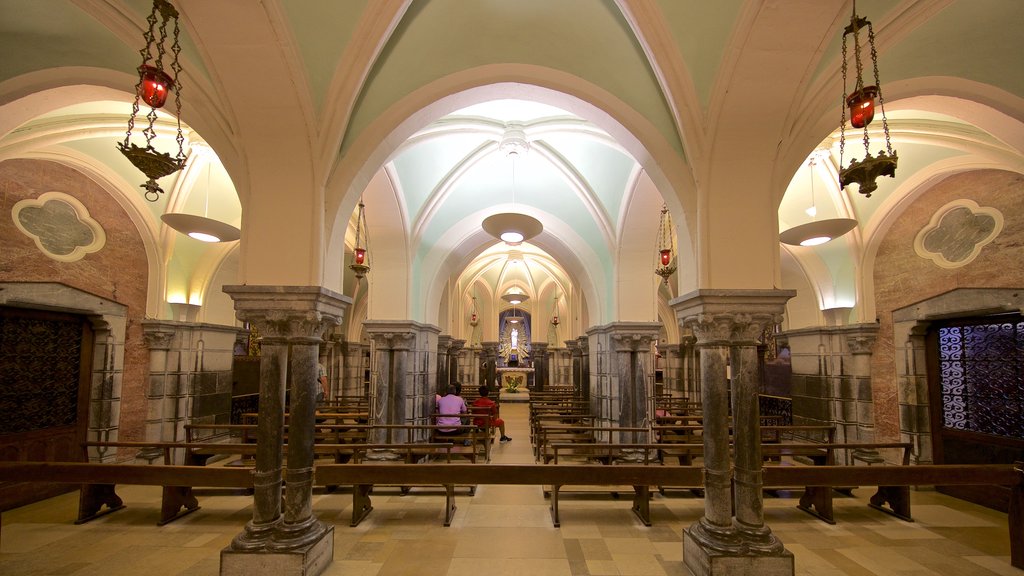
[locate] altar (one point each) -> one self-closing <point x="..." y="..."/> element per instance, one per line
<point x="509" y="375"/>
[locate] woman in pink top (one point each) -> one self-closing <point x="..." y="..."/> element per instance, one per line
<point x="451" y="406"/>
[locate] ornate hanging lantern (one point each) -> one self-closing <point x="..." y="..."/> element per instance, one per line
<point x="153" y="88"/>
<point x="360" y="257"/>
<point x="666" y="246"/>
<point x="861" y="103"/>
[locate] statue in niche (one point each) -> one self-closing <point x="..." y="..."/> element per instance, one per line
<point x="512" y="345"/>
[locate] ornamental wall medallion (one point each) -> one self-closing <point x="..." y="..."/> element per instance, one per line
<point x="60" y="226"/>
<point x="957" y="232"/>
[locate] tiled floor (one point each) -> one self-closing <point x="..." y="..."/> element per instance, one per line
<point x="505" y="530"/>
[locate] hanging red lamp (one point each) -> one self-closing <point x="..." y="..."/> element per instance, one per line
<point x="862" y="106"/>
<point x="154" y="86"/>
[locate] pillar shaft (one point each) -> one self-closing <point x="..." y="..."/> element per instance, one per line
<point x="291" y="320"/>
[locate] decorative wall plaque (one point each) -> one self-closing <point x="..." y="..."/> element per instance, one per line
<point x="957" y="232"/>
<point x="60" y="226"/>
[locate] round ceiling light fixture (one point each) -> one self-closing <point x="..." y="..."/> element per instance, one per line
<point x="512" y="228"/>
<point x="817" y="232"/>
<point x="202" y="228"/>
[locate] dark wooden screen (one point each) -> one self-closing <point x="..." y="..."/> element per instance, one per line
<point x="976" y="379"/>
<point x="44" y="392"/>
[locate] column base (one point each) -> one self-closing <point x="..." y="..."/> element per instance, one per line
<point x="310" y="560"/>
<point x="701" y="561"/>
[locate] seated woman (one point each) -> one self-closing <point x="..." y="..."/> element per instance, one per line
<point x="485" y="406"/>
<point x="450" y="407"/>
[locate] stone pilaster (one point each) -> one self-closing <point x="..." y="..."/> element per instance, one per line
<point x="860" y="342"/>
<point x="540" y="365"/>
<point x="726" y="324"/>
<point x="403" y="381"/>
<point x="622" y="373"/>
<point x="291" y="320"/>
<point x="690" y="367"/>
<point x="190" y="376"/>
<point x="583" y="343"/>
<point x="672" y="369"/>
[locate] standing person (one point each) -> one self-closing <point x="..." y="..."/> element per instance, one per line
<point x="485" y="406"/>
<point x="450" y="407"/>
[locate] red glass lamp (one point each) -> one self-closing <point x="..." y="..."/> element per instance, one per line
<point x="155" y="85"/>
<point x="360" y="264"/>
<point x="666" y="245"/>
<point x="862" y="106"/>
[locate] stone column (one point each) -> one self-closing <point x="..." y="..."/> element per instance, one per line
<point x="690" y="367"/>
<point x="489" y="365"/>
<point x="623" y="360"/>
<point x="292" y="320"/>
<point x="585" y="380"/>
<point x="748" y="478"/>
<point x="540" y="365"/>
<point x="454" y="352"/>
<point x="444" y="375"/>
<point x="404" y="377"/>
<point x="724" y="322"/>
<point x="575" y="367"/>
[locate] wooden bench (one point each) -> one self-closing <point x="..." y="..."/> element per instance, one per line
<point x="581" y="435"/>
<point x="635" y="475"/>
<point x="1011" y="475"/>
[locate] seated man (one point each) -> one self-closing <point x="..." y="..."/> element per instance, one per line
<point x="485" y="406"/>
<point x="450" y="407"/>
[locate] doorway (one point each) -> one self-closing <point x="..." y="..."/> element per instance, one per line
<point x="45" y="365"/>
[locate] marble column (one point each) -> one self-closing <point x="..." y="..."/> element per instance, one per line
<point x="585" y="380"/>
<point x="622" y="369"/>
<point x="747" y="474"/>
<point x="576" y="367"/>
<point x="291" y="320"/>
<point x="540" y="365"/>
<point x="726" y="324"/>
<point x="690" y="367"/>
<point x="454" y="352"/>
<point x="489" y="365"/>
<point x="444" y="376"/>
<point x="403" y="377"/>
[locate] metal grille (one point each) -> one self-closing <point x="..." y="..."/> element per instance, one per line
<point x="39" y="372"/>
<point x="982" y="373"/>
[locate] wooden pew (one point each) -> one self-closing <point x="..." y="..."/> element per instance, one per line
<point x="368" y="474"/>
<point x="996" y="474"/>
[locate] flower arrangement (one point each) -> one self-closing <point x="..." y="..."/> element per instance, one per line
<point x="514" y="382"/>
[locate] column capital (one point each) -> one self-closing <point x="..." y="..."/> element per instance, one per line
<point x="629" y="336"/>
<point x="860" y="339"/>
<point x="444" y="342"/>
<point x="457" y="345"/>
<point x="397" y="334"/>
<point x="289" y="312"/>
<point x="158" y="335"/>
<point x="734" y="316"/>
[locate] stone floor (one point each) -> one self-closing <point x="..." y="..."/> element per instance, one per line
<point x="504" y="530"/>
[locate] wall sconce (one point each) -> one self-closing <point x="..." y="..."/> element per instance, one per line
<point x="154" y="85"/>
